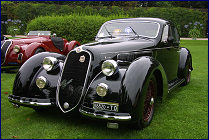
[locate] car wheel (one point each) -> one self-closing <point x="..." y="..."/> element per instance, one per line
<point x="39" y="50"/>
<point x="39" y="110"/>
<point x="187" y="75"/>
<point x="148" y="106"/>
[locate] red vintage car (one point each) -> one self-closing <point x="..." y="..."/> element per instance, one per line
<point x="17" y="51"/>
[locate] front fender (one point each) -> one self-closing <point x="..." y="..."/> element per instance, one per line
<point x="24" y="84"/>
<point x="30" y="49"/>
<point x="129" y="86"/>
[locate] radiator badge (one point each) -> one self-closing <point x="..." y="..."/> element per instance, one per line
<point x="82" y="59"/>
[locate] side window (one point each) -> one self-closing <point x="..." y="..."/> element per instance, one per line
<point x="165" y="33"/>
<point x="175" y="34"/>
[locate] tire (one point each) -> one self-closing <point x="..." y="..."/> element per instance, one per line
<point x="40" y="110"/>
<point x="148" y="106"/>
<point x="187" y="74"/>
<point x="39" y="50"/>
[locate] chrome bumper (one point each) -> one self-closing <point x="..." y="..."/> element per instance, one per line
<point x="24" y="101"/>
<point x="107" y="116"/>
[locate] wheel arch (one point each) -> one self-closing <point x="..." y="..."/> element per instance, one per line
<point x="27" y="72"/>
<point x="185" y="58"/>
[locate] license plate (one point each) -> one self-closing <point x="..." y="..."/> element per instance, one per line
<point x="98" y="105"/>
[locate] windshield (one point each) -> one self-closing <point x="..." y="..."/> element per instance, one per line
<point x="39" y="33"/>
<point x="140" y="28"/>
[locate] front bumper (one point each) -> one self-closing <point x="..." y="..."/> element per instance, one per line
<point x="31" y="102"/>
<point x="113" y="116"/>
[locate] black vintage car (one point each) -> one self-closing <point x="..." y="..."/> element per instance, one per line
<point x="133" y="63"/>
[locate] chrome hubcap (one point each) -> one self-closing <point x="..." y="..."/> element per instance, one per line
<point x="152" y="101"/>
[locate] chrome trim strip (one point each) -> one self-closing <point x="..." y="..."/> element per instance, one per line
<point x="106" y="117"/>
<point x="21" y="102"/>
<point x="59" y="81"/>
<point x="3" y="44"/>
<point x="91" y="83"/>
<point x="7" y="50"/>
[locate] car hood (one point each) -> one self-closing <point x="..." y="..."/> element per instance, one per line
<point x="111" y="47"/>
<point x="28" y="40"/>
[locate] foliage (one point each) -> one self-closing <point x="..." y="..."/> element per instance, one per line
<point x="26" y="11"/>
<point x="183" y="115"/>
<point x="104" y="11"/>
<point x="14" y="26"/>
<point x="73" y="27"/>
<point x="194" y="33"/>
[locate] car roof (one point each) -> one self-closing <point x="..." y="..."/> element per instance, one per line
<point x="161" y="21"/>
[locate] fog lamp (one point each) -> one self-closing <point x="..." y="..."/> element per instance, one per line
<point x="41" y="82"/>
<point x="102" y="89"/>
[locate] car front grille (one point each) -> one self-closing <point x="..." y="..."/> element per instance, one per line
<point x="73" y="79"/>
<point x="4" y="48"/>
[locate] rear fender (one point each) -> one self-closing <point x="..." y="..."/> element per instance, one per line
<point x="183" y="61"/>
<point x="69" y="46"/>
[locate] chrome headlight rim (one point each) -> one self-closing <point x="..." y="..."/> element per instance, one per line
<point x="16" y="49"/>
<point x="102" y="89"/>
<point x="49" y="63"/>
<point x="43" y="80"/>
<point x="113" y="64"/>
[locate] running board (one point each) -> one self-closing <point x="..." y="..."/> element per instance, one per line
<point x="175" y="84"/>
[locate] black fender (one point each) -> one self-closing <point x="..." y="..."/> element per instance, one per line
<point x="24" y="84"/>
<point x="129" y="85"/>
<point x="185" y="58"/>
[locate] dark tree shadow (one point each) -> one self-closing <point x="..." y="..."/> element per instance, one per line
<point x="10" y="69"/>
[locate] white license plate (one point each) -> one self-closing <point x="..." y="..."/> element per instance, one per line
<point x="98" y="105"/>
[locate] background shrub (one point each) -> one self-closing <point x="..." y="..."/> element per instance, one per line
<point x="72" y="27"/>
<point x="26" y="11"/>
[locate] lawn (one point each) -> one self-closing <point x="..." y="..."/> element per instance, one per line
<point x="183" y="115"/>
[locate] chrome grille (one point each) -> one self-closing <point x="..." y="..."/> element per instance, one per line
<point x="73" y="79"/>
<point x="4" y="48"/>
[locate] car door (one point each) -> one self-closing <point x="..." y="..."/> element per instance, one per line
<point x="168" y="52"/>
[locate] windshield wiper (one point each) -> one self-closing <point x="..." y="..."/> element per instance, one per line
<point x="109" y="34"/>
<point x="134" y="32"/>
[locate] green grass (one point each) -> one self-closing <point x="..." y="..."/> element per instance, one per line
<point x="184" y="114"/>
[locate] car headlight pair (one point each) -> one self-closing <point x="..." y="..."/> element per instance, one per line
<point x="49" y="63"/>
<point x="109" y="68"/>
<point x="16" y="49"/>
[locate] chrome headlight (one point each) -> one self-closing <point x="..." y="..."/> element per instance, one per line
<point x="41" y="82"/>
<point x="16" y="48"/>
<point x="49" y="63"/>
<point x="102" y="89"/>
<point x="109" y="67"/>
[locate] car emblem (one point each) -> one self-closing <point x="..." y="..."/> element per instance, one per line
<point x="82" y="58"/>
<point x="78" y="50"/>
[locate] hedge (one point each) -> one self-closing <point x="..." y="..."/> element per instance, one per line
<point x="73" y="27"/>
<point x="180" y="16"/>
